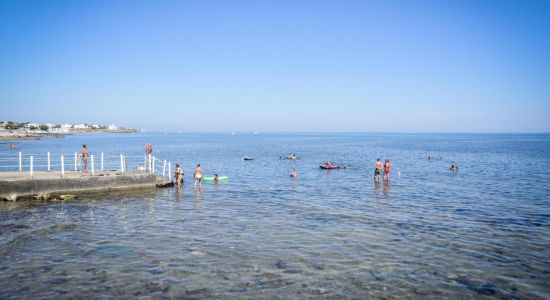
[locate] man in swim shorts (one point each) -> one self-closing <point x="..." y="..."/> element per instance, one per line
<point x="198" y="175"/>
<point x="378" y="166"/>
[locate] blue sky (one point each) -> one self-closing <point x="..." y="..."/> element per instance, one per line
<point x="355" y="66"/>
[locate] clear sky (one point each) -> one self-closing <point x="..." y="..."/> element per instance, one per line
<point x="355" y="66"/>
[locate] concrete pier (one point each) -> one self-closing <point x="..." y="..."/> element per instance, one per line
<point x="20" y="183"/>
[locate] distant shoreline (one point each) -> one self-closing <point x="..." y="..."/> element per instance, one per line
<point x="25" y="135"/>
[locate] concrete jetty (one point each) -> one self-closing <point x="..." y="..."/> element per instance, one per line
<point x="24" y="187"/>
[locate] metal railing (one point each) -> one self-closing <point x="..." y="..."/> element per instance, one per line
<point x="48" y="162"/>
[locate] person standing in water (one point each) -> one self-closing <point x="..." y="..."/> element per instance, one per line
<point x="387" y="167"/>
<point x="178" y="175"/>
<point x="198" y="175"/>
<point x="84" y="155"/>
<point x="378" y="169"/>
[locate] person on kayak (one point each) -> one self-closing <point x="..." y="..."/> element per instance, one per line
<point x="378" y="169"/>
<point x="198" y="175"/>
<point x="216" y="178"/>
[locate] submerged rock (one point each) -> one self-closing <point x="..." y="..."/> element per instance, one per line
<point x="281" y="265"/>
<point x="158" y="286"/>
<point x="67" y="197"/>
<point x="477" y="285"/>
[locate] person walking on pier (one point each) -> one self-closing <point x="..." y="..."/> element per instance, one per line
<point x="84" y="155"/>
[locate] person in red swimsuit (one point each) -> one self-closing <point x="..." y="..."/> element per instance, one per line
<point x="387" y="167"/>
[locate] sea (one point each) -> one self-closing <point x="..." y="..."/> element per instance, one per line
<point x="425" y="233"/>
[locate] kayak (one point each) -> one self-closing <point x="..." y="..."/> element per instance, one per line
<point x="211" y="178"/>
<point x="329" y="167"/>
<point x="248" y="158"/>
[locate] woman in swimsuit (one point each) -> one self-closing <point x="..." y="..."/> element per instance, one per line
<point x="387" y="167"/>
<point x="198" y="175"/>
<point x="84" y="155"/>
<point x="178" y="175"/>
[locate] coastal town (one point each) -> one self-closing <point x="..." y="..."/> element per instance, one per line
<point x="31" y="130"/>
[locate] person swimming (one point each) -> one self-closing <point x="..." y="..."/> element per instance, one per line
<point x="453" y="168"/>
<point x="293" y="174"/>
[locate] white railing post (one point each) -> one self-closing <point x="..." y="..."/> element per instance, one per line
<point x="31" y="166"/>
<point x="49" y="165"/>
<point x="93" y="170"/>
<point x="101" y="161"/>
<point x="153" y="169"/>
<point x="75" y="162"/>
<point x="20" y="162"/>
<point x="164" y="168"/>
<point x="169" y="171"/>
<point x="62" y="166"/>
<point x="150" y="162"/>
<point x="122" y="164"/>
<point x="125" y="165"/>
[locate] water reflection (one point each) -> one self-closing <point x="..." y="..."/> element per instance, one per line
<point x="387" y="187"/>
<point x="198" y="198"/>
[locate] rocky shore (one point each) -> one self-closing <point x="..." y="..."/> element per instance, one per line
<point x="16" y="135"/>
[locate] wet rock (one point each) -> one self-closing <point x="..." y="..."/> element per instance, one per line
<point x="238" y="290"/>
<point x="158" y="286"/>
<point x="67" y="197"/>
<point x="42" y="196"/>
<point x="281" y="265"/>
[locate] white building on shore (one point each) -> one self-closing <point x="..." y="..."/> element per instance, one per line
<point x="112" y="127"/>
<point x="80" y="126"/>
<point x="66" y="127"/>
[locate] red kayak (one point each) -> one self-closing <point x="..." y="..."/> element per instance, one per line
<point x="328" y="167"/>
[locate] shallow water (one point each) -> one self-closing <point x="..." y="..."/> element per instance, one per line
<point x="483" y="232"/>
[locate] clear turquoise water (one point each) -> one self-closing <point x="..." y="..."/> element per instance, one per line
<point x="483" y="232"/>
